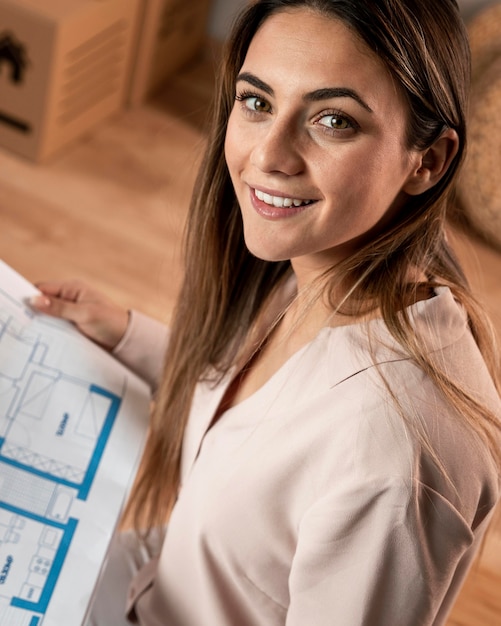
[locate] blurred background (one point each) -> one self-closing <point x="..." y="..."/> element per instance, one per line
<point x="103" y="110"/>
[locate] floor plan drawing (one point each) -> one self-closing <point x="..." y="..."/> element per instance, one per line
<point x="56" y="419"/>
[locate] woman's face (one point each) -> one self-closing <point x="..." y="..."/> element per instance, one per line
<point x="315" y="143"/>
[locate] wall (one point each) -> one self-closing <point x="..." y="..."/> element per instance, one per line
<point x="222" y="14"/>
<point x="470" y="7"/>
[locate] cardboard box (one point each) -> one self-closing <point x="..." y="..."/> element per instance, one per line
<point x="64" y="66"/>
<point x="170" y="35"/>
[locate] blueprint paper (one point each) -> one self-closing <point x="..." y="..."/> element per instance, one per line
<point x="73" y="422"/>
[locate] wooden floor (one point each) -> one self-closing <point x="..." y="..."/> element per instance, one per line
<point x="110" y="209"/>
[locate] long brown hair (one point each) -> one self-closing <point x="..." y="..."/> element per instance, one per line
<point x="424" y="45"/>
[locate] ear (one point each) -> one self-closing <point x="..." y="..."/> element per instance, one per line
<point x="431" y="164"/>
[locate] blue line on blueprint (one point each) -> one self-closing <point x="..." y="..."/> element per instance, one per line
<point x="102" y="440"/>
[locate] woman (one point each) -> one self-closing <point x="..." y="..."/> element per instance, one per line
<point x="325" y="433"/>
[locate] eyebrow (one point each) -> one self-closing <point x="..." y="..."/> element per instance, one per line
<point x="325" y="93"/>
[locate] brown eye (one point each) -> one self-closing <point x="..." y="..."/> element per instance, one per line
<point x="261" y="105"/>
<point x="255" y="103"/>
<point x="336" y="122"/>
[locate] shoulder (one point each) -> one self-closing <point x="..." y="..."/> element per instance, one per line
<point x="440" y="327"/>
<point x="438" y="322"/>
<point x="404" y="428"/>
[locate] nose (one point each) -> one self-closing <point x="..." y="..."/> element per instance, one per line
<point x="277" y="149"/>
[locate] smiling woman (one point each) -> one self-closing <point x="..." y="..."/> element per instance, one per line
<point x="326" y="434"/>
<point x="305" y="125"/>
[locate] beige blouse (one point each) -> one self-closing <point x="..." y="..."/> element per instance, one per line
<point x="310" y="503"/>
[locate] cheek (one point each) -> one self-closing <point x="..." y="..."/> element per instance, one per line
<point x="365" y="186"/>
<point x="375" y="172"/>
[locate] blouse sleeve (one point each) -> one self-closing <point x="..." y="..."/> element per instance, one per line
<point x="143" y="346"/>
<point x="377" y="554"/>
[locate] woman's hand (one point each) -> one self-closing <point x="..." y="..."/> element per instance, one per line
<point x="93" y="314"/>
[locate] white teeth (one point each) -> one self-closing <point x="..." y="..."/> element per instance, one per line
<point x="279" y="201"/>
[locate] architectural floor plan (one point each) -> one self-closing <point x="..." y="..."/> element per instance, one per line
<point x="66" y="408"/>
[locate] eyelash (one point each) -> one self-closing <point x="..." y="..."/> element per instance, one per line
<point x="243" y="96"/>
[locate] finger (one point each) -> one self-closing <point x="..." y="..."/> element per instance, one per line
<point x="51" y="288"/>
<point x="57" y="307"/>
<point x="71" y="290"/>
<point x="39" y="302"/>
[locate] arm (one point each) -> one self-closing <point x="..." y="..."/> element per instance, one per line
<point x="143" y="347"/>
<point x="390" y="538"/>
<point x="381" y="553"/>
<point x="135" y="339"/>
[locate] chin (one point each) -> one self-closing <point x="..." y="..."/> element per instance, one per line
<point x="265" y="254"/>
<point x="270" y="258"/>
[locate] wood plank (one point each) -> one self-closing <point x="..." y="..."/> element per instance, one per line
<point x="110" y="210"/>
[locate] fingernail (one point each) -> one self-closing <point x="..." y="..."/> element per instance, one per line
<point x="40" y="302"/>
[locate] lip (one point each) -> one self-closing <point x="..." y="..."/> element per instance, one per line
<point x="275" y="213"/>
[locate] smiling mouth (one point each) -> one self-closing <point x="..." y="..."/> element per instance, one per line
<point x="280" y="202"/>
